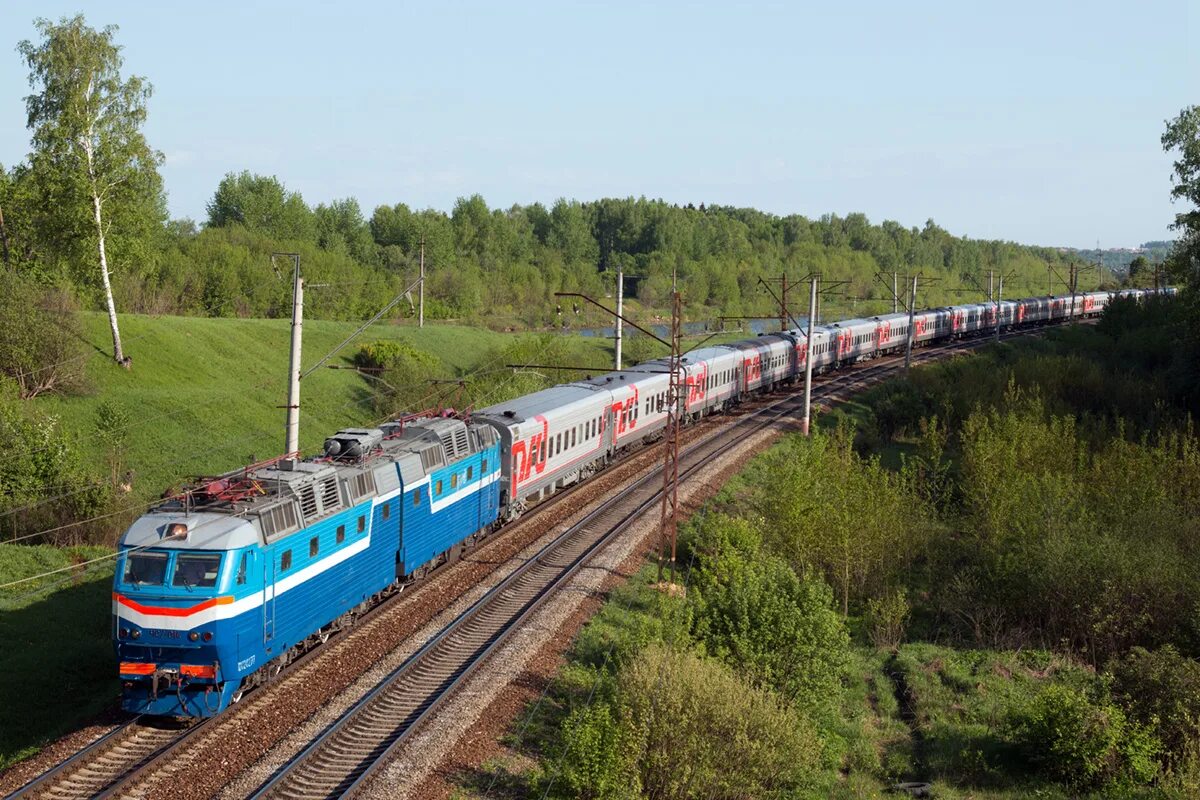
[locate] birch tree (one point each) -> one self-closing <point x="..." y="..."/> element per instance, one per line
<point x="87" y="141"/>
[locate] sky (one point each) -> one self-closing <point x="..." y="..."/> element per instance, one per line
<point x="1032" y="122"/>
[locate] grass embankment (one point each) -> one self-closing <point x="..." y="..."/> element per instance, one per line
<point x="203" y="397"/>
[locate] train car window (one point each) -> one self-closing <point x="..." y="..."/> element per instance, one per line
<point x="470" y="471"/>
<point x="438" y="489"/>
<point x="573" y="437"/>
<point x="454" y="481"/>
<point x="148" y="569"/>
<point x="542" y="450"/>
<point x="483" y="467"/>
<point x="362" y="524"/>
<point x="387" y="510"/>
<point x="417" y="497"/>
<point x="196" y="569"/>
<point x="285" y="561"/>
<point x="314" y="546"/>
<point x="241" y="573"/>
<point x="341" y="532"/>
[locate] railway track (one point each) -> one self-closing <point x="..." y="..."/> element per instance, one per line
<point x="347" y="753"/>
<point x="342" y="759"/>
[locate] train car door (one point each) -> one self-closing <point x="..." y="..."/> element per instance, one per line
<point x="268" y="600"/>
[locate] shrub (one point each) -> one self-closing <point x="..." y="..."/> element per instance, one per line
<point x="400" y="375"/>
<point x="1162" y="689"/>
<point x="700" y="731"/>
<point x="761" y="618"/>
<point x="1082" y="742"/>
<point x="41" y="339"/>
<point x="886" y="619"/>
<point x="594" y="762"/>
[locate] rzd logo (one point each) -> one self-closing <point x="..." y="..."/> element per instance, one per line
<point x="753" y="368"/>
<point x="623" y="413"/>
<point x="697" y="386"/>
<point x="526" y="456"/>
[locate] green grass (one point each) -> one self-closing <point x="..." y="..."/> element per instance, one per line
<point x="56" y="666"/>
<point x="204" y="394"/>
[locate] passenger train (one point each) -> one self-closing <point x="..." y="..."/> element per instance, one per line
<point x="217" y="588"/>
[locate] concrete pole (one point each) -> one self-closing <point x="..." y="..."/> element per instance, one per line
<point x="421" y="290"/>
<point x="808" y="358"/>
<point x="292" y="444"/>
<point x="620" y="311"/>
<point x="912" y="310"/>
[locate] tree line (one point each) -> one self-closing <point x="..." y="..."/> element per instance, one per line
<point x="88" y="204"/>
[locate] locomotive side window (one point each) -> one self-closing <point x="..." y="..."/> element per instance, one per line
<point x="439" y="488"/>
<point x="483" y="468"/>
<point x="387" y="511"/>
<point x="196" y="569"/>
<point x="285" y="561"/>
<point x="362" y="524"/>
<point x="454" y="481"/>
<point x="314" y="547"/>
<point x="241" y="573"/>
<point x="341" y="534"/>
<point x="145" y="568"/>
<point x="470" y="472"/>
<point x="416" y="497"/>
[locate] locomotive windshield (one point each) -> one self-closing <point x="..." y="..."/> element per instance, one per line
<point x="198" y="569"/>
<point x="145" y="568"/>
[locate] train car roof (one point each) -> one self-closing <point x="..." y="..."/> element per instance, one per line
<point x="207" y="530"/>
<point x="555" y="398"/>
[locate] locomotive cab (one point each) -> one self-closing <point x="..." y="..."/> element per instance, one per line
<point x="173" y="591"/>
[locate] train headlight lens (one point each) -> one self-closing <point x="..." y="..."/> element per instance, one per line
<point x="208" y="636"/>
<point x="193" y="636"/>
<point x="123" y="633"/>
<point x="135" y="634"/>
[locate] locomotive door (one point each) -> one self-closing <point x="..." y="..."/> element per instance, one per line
<point x="268" y="600"/>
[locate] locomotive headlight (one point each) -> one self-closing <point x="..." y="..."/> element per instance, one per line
<point x="208" y="636"/>
<point x="193" y="636"/>
<point x="135" y="634"/>
<point x="123" y="633"/>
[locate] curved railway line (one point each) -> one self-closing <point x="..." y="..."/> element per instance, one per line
<point x="342" y="759"/>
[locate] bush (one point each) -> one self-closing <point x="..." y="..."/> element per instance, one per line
<point x="760" y="617"/>
<point x="700" y="731"/>
<point x="1161" y="689"/>
<point x="400" y="376"/>
<point x="886" y="619"/>
<point x="1082" y="742"/>
<point x="41" y="339"/>
<point x="594" y="761"/>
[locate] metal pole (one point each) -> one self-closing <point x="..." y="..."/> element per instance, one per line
<point x="808" y="358"/>
<point x="783" y="312"/>
<point x="895" y="295"/>
<point x="292" y="443"/>
<point x="620" y="311"/>
<point x="675" y="409"/>
<point x="912" y="310"/>
<point x="421" y="292"/>
<point x="999" y="299"/>
<point x="1074" y="276"/>
<point x="991" y="278"/>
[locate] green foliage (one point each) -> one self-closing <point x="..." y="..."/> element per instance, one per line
<point x="44" y="482"/>
<point x="95" y="196"/>
<point x="756" y="614"/>
<point x="886" y="618"/>
<point x="40" y="338"/>
<point x="1161" y="690"/>
<point x="1082" y="741"/>
<point x="823" y="506"/>
<point x="261" y="204"/>
<point x="595" y="759"/>
<point x="403" y="372"/>
<point x="695" y="728"/>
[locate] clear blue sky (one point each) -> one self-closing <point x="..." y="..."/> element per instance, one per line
<point x="1037" y="122"/>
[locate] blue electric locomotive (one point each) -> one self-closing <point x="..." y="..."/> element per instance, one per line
<point x="217" y="588"/>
